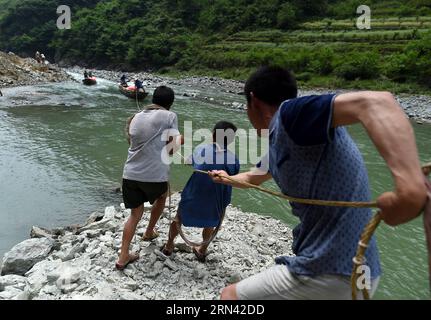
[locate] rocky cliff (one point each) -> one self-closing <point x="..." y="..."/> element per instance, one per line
<point x="16" y="71"/>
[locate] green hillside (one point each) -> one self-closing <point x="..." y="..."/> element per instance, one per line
<point x="317" y="39"/>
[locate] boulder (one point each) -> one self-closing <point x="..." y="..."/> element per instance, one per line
<point x="37" y="276"/>
<point x="12" y="280"/>
<point x="110" y="213"/>
<point x="25" y="255"/>
<point x="13" y="293"/>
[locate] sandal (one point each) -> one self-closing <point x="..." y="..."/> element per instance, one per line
<point x="133" y="258"/>
<point x="165" y="251"/>
<point x="152" y="238"/>
<point x="201" y="257"/>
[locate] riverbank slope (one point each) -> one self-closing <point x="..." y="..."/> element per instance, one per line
<point x="78" y="262"/>
<point x="16" y="71"/>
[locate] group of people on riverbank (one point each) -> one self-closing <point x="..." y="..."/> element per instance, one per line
<point x="311" y="156"/>
<point x="40" y="58"/>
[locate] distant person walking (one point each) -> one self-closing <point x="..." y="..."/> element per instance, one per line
<point x="139" y="85"/>
<point x="123" y="81"/>
<point x="146" y="176"/>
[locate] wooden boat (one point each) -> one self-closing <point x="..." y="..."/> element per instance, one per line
<point x="90" y="81"/>
<point x="130" y="92"/>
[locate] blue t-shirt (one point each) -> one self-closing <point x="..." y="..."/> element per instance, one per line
<point x="202" y="200"/>
<point x="310" y="159"/>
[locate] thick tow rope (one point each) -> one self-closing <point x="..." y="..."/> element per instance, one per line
<point x="179" y="225"/>
<point x="299" y="200"/>
<point x="359" y="260"/>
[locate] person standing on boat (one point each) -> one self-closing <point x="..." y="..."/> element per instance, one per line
<point x="312" y="156"/>
<point x="123" y="81"/>
<point x="139" y="85"/>
<point x="146" y="176"/>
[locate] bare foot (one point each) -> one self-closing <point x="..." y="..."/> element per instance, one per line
<point x="124" y="262"/>
<point x="199" y="255"/>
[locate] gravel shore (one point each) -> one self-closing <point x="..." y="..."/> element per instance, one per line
<point x="78" y="262"/>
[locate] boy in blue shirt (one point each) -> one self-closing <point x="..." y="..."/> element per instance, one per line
<point x="204" y="202"/>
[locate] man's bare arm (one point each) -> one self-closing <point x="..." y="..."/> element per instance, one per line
<point x="129" y="121"/>
<point x="174" y="144"/>
<point x="249" y="177"/>
<point x="393" y="136"/>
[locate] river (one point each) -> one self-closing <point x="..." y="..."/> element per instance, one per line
<point x="63" y="148"/>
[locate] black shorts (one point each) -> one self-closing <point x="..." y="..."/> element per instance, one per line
<point x="136" y="193"/>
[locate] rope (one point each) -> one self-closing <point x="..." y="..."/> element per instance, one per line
<point x="203" y="243"/>
<point x="137" y="101"/>
<point x="179" y="224"/>
<point x="368" y="233"/>
<point x="299" y="200"/>
<point x="360" y="259"/>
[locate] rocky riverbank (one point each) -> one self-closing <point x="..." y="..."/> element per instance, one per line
<point x="78" y="262"/>
<point x="417" y="107"/>
<point x="16" y="71"/>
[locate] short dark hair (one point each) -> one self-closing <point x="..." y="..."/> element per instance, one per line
<point x="225" y="125"/>
<point x="164" y="96"/>
<point x="272" y="85"/>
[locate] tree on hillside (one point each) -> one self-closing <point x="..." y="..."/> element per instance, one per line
<point x="311" y="8"/>
<point x="287" y="16"/>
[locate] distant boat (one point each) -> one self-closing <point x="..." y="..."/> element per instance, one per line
<point x="90" y="81"/>
<point x="130" y="92"/>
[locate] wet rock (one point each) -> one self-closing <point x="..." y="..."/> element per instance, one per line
<point x="94" y="217"/>
<point x="37" y="232"/>
<point x="25" y="255"/>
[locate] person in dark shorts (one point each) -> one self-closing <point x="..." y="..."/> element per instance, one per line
<point x="146" y="175"/>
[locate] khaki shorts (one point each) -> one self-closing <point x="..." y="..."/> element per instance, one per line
<point x="278" y="283"/>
